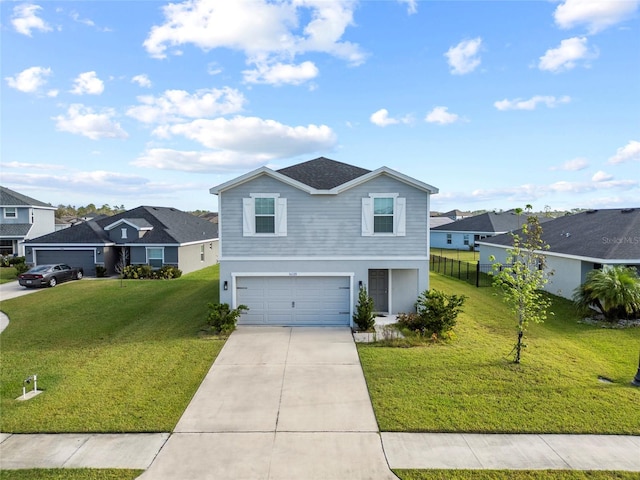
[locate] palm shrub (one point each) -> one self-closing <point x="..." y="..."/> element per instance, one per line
<point x="365" y="316"/>
<point x="613" y="291"/>
<point x="436" y="313"/>
<point x="222" y="319"/>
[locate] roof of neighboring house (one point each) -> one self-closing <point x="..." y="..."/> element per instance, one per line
<point x="323" y="173"/>
<point x="439" y="221"/>
<point x="609" y="234"/>
<point x="14" y="229"/>
<point x="323" y="176"/>
<point x="489" y="222"/>
<point x="11" y="198"/>
<point x="455" y="213"/>
<point x="170" y="227"/>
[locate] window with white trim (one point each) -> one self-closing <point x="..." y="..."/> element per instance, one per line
<point x="264" y="214"/>
<point x="10" y="212"/>
<point x="384" y="214"/>
<point x="123" y="233"/>
<point x="449" y="239"/>
<point x="155" y="257"/>
<point x="465" y="239"/>
<point x="202" y="253"/>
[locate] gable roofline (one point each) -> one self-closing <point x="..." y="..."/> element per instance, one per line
<point x="314" y="191"/>
<point x="11" y="198"/>
<point x="137" y="223"/>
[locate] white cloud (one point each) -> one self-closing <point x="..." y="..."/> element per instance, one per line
<point x="280" y="74"/>
<point x="213" y="68"/>
<point x="565" y="56"/>
<point x="29" y="80"/>
<point x="595" y="14"/>
<point x="412" y="6"/>
<point x="142" y="80"/>
<point x="25" y="19"/>
<point x="201" y="161"/>
<point x="87" y="83"/>
<point x="176" y="105"/>
<point x="532" y="103"/>
<point x="441" y="116"/>
<point x="464" y="57"/>
<point x="252" y="135"/>
<point x="629" y="153"/>
<point x="85" y="21"/>
<point x="81" y="120"/>
<point x="268" y="33"/>
<point x="601" y="176"/>
<point x="381" y="118"/>
<point x="573" y="165"/>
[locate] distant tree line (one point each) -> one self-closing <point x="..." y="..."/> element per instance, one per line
<point x="80" y="212"/>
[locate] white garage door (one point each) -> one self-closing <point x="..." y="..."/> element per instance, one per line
<point x="294" y="300"/>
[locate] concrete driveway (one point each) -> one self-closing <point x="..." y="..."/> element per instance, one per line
<point x="14" y="289"/>
<point x="278" y="403"/>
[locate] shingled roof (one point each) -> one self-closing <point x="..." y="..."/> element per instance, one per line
<point x="10" y="198"/>
<point x="323" y="173"/>
<point x="170" y="226"/>
<point x="489" y="222"/>
<point x="608" y="234"/>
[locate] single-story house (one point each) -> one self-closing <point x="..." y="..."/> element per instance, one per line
<point x="155" y="236"/>
<point x="22" y="218"/>
<point x="466" y="233"/>
<point x="296" y="244"/>
<point x="579" y="243"/>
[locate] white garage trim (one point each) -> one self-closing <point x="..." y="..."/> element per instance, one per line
<point x="347" y="309"/>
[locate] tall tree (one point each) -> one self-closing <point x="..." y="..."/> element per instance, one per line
<point x="523" y="276"/>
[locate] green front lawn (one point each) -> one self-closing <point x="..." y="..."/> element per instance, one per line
<point x="70" y="474"/>
<point x="109" y="356"/>
<point x="8" y="274"/>
<point x="470" y="384"/>
<point x="463" y="255"/>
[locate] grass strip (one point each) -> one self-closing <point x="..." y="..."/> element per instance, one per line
<point x="70" y="474"/>
<point x="513" y="475"/>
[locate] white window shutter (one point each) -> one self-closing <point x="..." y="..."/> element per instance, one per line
<point x="367" y="217"/>
<point x="248" y="217"/>
<point x="400" y="217"/>
<point x="281" y="217"/>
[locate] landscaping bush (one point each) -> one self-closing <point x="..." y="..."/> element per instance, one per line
<point x="364" y="317"/>
<point x="613" y="292"/>
<point x="101" y="271"/>
<point x="436" y="313"/>
<point x="222" y="319"/>
<point x="141" y="272"/>
<point x="21" y="268"/>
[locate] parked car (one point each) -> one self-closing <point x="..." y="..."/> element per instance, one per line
<point x="49" y="275"/>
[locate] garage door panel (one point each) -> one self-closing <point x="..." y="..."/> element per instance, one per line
<point x="298" y="300"/>
<point x="75" y="258"/>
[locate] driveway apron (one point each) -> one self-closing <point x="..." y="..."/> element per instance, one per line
<point x="278" y="403"/>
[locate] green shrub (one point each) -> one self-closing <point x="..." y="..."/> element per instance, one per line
<point x="20" y="268"/>
<point x="222" y="319"/>
<point x="614" y="292"/>
<point x="17" y="260"/>
<point x="140" y="272"/>
<point x="101" y="271"/>
<point x="364" y="316"/>
<point x="436" y="313"/>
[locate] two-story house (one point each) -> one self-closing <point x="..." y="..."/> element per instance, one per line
<point x="296" y="244"/>
<point x="22" y="218"/>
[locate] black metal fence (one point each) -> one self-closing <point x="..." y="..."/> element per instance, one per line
<point x="475" y="273"/>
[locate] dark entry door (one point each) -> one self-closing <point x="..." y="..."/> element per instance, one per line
<point x="379" y="289"/>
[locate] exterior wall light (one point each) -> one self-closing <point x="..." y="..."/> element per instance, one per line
<point x="226" y="285"/>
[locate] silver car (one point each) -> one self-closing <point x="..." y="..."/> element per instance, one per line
<point x="49" y="275"/>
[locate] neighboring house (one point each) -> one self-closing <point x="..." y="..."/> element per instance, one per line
<point x="578" y="244"/>
<point x="456" y="215"/>
<point x="155" y="236"/>
<point x="466" y="233"/>
<point x="297" y="243"/>
<point x="439" y="221"/>
<point x="22" y="218"/>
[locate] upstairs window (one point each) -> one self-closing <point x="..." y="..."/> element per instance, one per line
<point x="264" y="214"/>
<point x="123" y="233"/>
<point x="10" y="212"/>
<point x="384" y="214"/>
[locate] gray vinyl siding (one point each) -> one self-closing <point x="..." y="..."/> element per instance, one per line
<point x="22" y="215"/>
<point x="323" y="225"/>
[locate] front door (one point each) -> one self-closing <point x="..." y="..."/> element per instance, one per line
<point x="379" y="289"/>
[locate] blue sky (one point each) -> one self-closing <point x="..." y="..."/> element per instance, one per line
<point x="497" y="103"/>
